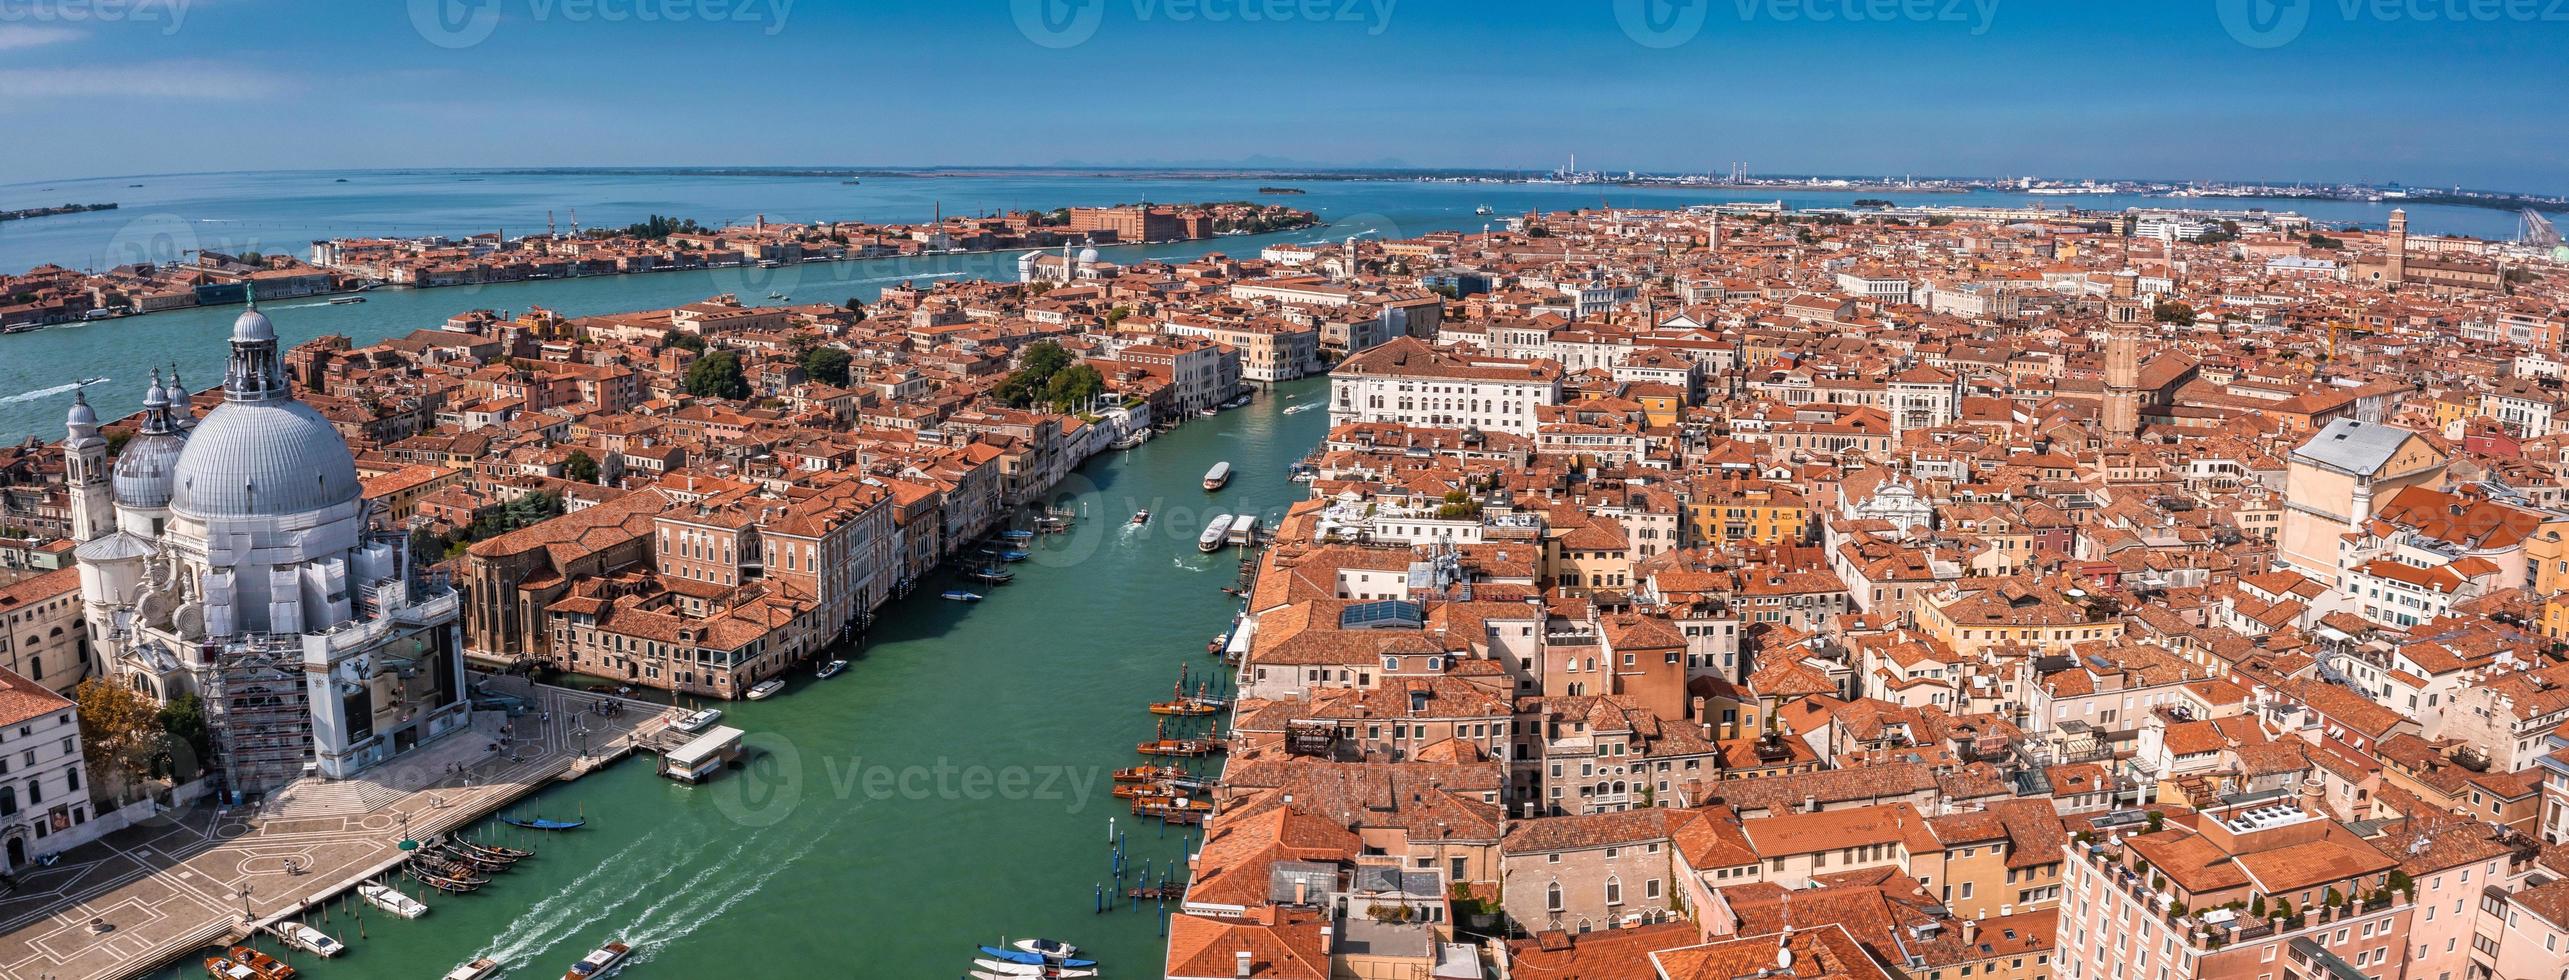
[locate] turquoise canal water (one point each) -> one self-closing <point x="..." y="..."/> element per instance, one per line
<point x="949" y="789"/>
<point x="171" y="217"/>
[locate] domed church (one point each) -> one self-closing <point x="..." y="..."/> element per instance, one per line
<point x="234" y="557"/>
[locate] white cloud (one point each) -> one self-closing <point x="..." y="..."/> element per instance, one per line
<point x="15" y="36"/>
<point x="152" y="80"/>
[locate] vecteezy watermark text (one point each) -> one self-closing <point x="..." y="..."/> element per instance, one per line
<point x="465" y="23"/>
<point x="1070" y="23"/>
<point x="1670" y="23"/>
<point x="170" y="14"/>
<point x="2275" y="23"/>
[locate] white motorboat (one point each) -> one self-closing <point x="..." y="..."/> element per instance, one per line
<point x="602" y="961"/>
<point x="832" y="669"/>
<point x="1051" y="949"/>
<point x="699" y="721"/>
<point x="307" y="939"/>
<point x="481" y="969"/>
<point x="391" y="900"/>
<point x="766" y="689"/>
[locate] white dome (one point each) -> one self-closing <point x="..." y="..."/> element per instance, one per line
<point x="263" y="459"/>
<point x="80" y="414"/>
<point x="1088" y="256"/>
<point x="252" y="325"/>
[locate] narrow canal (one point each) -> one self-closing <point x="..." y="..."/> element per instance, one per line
<point x="951" y="788"/>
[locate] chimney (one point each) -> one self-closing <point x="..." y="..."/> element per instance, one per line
<point x="1326" y="934"/>
<point x="1240" y="961"/>
<point x="1970" y="931"/>
<point x="1810" y="803"/>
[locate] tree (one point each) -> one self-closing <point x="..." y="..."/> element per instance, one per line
<point x="717" y="375"/>
<point x="827" y="365"/>
<point x="1117" y="315"/>
<point x="2335" y="898"/>
<point x="685" y="341"/>
<point x="120" y="732"/>
<point x="2318" y="240"/>
<point x="580" y="468"/>
<point x="854" y="305"/>
<point x="1031" y="381"/>
<point x="2170" y="311"/>
<point x="2157" y="820"/>
<point x="183" y="724"/>
<point x="1074" y="387"/>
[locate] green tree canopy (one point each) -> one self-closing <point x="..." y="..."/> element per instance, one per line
<point x="1074" y="387"/>
<point x="827" y="365"/>
<point x="580" y="468"/>
<point x="717" y="375"/>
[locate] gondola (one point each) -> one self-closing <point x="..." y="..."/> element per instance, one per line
<point x="499" y="850"/>
<point x="440" y="882"/>
<point x="539" y="823"/>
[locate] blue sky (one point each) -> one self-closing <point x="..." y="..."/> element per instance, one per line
<point x="2428" y="92"/>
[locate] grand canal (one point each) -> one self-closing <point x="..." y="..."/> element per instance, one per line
<point x="949" y="789"/>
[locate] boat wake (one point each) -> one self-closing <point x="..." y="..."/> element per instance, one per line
<point x="554" y="919"/>
<point x="649" y="935"/>
<point x="40" y="393"/>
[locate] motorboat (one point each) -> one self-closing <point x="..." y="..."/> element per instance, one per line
<point x="264" y="966"/>
<point x="1485" y="209"/>
<point x="699" y="721"/>
<point x="959" y="595"/>
<point x="1215" y="533"/>
<point x="347" y="300"/>
<point x="223" y="968"/>
<point x="830" y="669"/>
<point x="601" y="962"/>
<point x="992" y="574"/>
<point x="481" y="969"/>
<point x="1141" y="517"/>
<point x="1218" y="476"/>
<point x="308" y="939"/>
<point x="765" y="689"/>
<point x="1053" y="949"/>
<point x="391" y="900"/>
<point x="1022" y="958"/>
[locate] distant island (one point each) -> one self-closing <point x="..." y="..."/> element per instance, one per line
<point x="1279" y="190"/>
<point x="25" y="213"/>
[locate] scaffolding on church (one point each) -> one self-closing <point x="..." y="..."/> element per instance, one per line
<point x="259" y="711"/>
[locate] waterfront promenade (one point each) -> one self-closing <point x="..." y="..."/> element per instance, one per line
<point x="150" y="894"/>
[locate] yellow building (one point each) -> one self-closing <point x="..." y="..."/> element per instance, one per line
<point x="1727" y="511"/>
<point x="2017" y="612"/>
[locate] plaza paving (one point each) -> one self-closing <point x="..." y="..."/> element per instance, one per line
<point x="148" y="894"/>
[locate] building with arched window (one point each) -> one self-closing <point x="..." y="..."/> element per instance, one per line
<point x="44" y="793"/>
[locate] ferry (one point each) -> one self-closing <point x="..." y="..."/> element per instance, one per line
<point x="391" y="900"/>
<point x="1214" y="534"/>
<point x="1218" y="476"/>
<point x="699" y="721"/>
<point x="765" y="689"/>
<point x="830" y="669"/>
<point x="602" y="961"/>
<point x="481" y="969"/>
